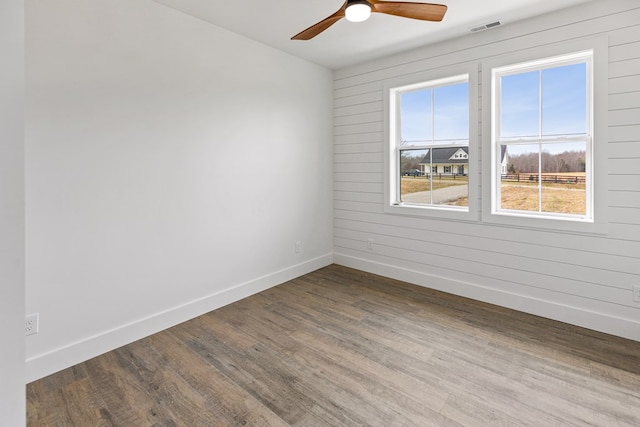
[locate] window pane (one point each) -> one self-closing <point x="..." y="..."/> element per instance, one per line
<point x="520" y="105"/>
<point x="448" y="182"/>
<point x="416" y="123"/>
<point x="414" y="185"/>
<point x="451" y="105"/>
<point x="519" y="188"/>
<point x="563" y="178"/>
<point x="544" y="106"/>
<point x="564" y="100"/>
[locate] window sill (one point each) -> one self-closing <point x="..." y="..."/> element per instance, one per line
<point x="570" y="225"/>
<point x="433" y="212"/>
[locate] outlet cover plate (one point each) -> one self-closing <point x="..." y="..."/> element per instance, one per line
<point x="31" y="324"/>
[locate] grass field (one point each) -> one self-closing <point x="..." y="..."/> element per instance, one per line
<point x="571" y="200"/>
<point x="562" y="197"/>
<point x="410" y="184"/>
<point x="559" y="198"/>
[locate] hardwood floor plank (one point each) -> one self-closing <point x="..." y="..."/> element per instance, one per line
<point x="259" y="326"/>
<point x="596" y="403"/>
<point x="267" y="382"/>
<point x="124" y="393"/>
<point x="422" y="393"/>
<point x="82" y="406"/>
<point x="468" y="411"/>
<point x="318" y="417"/>
<point x="485" y="389"/>
<point x="341" y="347"/>
<point x="368" y="401"/>
<point x="220" y="398"/>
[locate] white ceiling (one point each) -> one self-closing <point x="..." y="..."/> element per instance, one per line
<point x="274" y="22"/>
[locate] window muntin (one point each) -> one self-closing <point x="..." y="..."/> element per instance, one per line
<point x="430" y="144"/>
<point x="542" y="115"/>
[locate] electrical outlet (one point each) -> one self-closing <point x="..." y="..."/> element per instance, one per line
<point x="298" y="247"/>
<point x="31" y="323"/>
<point x="636" y="293"/>
<point x="370" y="244"/>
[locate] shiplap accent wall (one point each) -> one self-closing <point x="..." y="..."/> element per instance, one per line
<point x="584" y="279"/>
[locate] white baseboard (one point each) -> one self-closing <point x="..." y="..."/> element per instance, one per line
<point x="622" y="327"/>
<point x="41" y="365"/>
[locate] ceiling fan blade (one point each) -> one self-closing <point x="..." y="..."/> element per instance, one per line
<point x="316" y="29"/>
<point x="423" y="11"/>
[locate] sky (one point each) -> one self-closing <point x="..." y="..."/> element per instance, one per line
<point x="564" y="102"/>
<point x="564" y="109"/>
<point x="450" y="114"/>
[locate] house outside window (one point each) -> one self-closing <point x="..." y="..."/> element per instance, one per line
<point x="448" y="160"/>
<point x="427" y="120"/>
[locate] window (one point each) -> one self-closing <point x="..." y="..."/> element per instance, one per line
<point x="545" y="152"/>
<point x="543" y="137"/>
<point x="429" y="124"/>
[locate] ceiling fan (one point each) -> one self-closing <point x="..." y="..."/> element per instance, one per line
<point x="360" y="10"/>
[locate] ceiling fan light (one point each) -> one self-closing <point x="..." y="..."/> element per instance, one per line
<point x="358" y="12"/>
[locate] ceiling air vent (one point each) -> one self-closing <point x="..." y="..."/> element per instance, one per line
<point x="486" y="26"/>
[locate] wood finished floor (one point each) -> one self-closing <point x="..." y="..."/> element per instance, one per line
<point x="339" y="347"/>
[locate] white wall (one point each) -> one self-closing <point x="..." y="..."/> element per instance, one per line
<point x="171" y="167"/>
<point x="584" y="279"/>
<point x="12" y="398"/>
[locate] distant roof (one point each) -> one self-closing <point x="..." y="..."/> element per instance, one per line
<point x="444" y="154"/>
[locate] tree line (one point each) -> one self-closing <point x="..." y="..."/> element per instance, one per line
<point x="409" y="162"/>
<point x="565" y="162"/>
<point x="568" y="161"/>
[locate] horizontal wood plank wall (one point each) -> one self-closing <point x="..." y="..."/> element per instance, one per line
<point x="585" y="279"/>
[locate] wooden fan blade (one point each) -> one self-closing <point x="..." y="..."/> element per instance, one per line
<point x="316" y="29"/>
<point x="423" y="11"/>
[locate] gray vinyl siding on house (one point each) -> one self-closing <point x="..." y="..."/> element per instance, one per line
<point x="585" y="279"/>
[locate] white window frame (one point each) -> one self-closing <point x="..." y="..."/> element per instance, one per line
<point x="432" y="78"/>
<point x="562" y="54"/>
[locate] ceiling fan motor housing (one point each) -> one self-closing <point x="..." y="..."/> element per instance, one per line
<point x="358" y="10"/>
